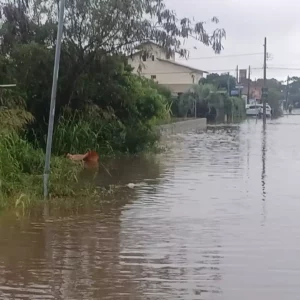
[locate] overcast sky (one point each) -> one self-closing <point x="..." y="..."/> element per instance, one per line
<point x="247" y="22"/>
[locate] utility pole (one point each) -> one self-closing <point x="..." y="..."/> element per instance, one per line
<point x="248" y="92"/>
<point x="53" y="97"/>
<point x="195" y="102"/>
<point x="264" y="94"/>
<point x="287" y="93"/>
<point x="237" y="74"/>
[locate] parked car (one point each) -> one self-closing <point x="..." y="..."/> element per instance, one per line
<point x="253" y="109"/>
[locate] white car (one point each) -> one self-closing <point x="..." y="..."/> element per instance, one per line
<point x="253" y="109"/>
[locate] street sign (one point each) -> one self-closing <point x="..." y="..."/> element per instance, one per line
<point x="234" y="93"/>
<point x="239" y="87"/>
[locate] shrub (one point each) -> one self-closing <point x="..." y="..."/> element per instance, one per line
<point x="82" y="132"/>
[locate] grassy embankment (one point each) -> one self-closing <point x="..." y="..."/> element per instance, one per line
<point x="22" y="159"/>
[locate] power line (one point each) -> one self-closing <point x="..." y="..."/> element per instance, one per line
<point x="284" y="68"/>
<point x="223" y="56"/>
<point x="209" y="71"/>
<point x="228" y="70"/>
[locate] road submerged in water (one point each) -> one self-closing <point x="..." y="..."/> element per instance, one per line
<point x="216" y="217"/>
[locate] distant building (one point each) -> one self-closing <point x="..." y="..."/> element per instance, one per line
<point x="154" y="62"/>
<point x="255" y="88"/>
<point x="242" y="75"/>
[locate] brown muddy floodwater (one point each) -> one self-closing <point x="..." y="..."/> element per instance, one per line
<point x="217" y="217"/>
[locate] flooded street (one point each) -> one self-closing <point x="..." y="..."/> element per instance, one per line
<point x="216" y="217"/>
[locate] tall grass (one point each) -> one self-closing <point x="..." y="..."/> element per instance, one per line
<point x="21" y="169"/>
<point x="77" y="134"/>
<point x="80" y="133"/>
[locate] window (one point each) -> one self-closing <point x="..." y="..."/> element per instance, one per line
<point x="153" y="76"/>
<point x="144" y="57"/>
<point x="152" y="57"/>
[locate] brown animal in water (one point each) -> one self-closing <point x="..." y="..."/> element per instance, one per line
<point x="91" y="156"/>
<point x="90" y="159"/>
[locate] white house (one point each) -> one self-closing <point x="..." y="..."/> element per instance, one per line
<point x="153" y="62"/>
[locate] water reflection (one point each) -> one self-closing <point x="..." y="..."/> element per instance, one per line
<point x="124" y="170"/>
<point x="263" y="172"/>
<point x="73" y="257"/>
<point x="263" y="156"/>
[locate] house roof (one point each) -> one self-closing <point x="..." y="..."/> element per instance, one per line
<point x="182" y="65"/>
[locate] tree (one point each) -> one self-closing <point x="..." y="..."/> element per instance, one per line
<point x="274" y="100"/>
<point x="94" y="32"/>
<point x="219" y="81"/>
<point x="94" y="73"/>
<point x="198" y="95"/>
<point x="294" y="91"/>
<point x="13" y="115"/>
<point x="111" y="25"/>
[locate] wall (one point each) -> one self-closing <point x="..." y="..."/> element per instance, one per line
<point x="183" y="126"/>
<point x="177" y="78"/>
<point x="166" y="73"/>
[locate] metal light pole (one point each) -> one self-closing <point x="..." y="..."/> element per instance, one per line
<point x="53" y="97"/>
<point x="248" y="90"/>
<point x="195" y="102"/>
<point x="7" y="85"/>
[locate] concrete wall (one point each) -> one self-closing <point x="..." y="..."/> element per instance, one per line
<point x="183" y="126"/>
<point x="166" y="73"/>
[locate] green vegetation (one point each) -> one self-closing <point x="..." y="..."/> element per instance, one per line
<point x="21" y="167"/>
<point x="198" y="95"/>
<point x="275" y="96"/>
<point x="211" y="103"/>
<point x="221" y="81"/>
<point x="94" y="74"/>
<point x="293" y="92"/>
<point x="274" y="100"/>
<point x="101" y="104"/>
<point x="234" y="108"/>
